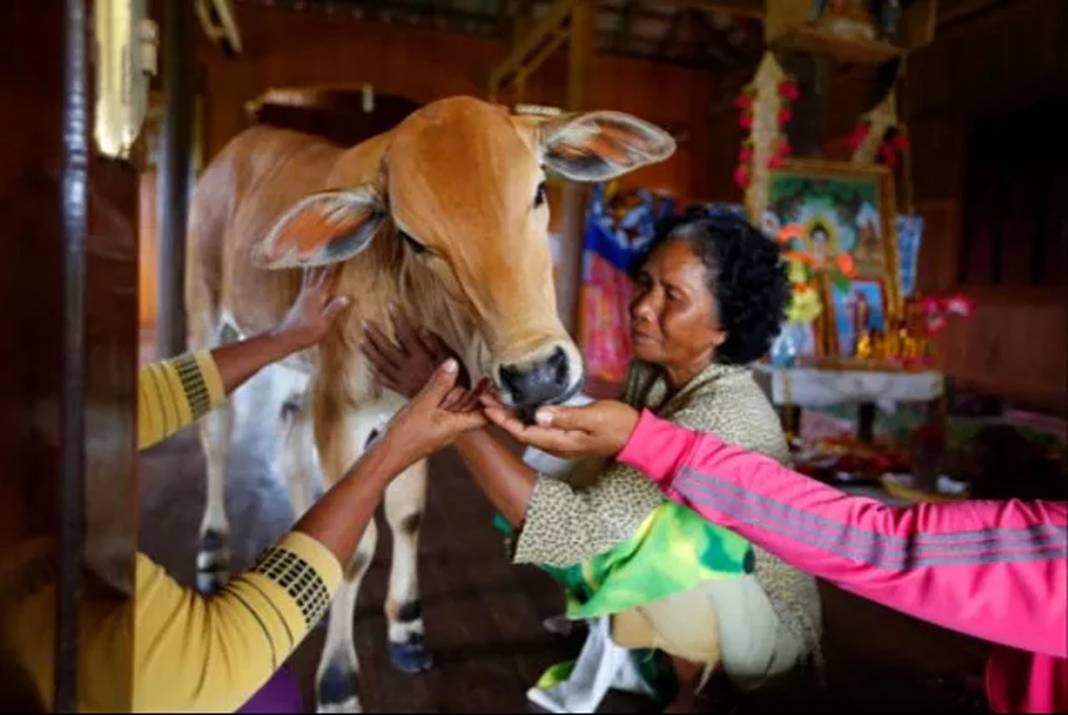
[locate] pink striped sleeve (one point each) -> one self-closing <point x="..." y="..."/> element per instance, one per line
<point x="994" y="570"/>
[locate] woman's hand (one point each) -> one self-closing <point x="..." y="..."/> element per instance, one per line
<point x="405" y="366"/>
<point x="599" y="429"/>
<point x="433" y="419"/>
<point x="314" y="311"/>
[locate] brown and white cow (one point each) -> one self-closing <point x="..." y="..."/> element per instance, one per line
<point x="445" y="216"/>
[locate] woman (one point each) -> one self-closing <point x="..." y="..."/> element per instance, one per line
<point x="710" y="298"/>
<point x="996" y="570"/>
<point x="190" y="652"/>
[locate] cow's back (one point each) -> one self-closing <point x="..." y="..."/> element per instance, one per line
<point x="260" y="174"/>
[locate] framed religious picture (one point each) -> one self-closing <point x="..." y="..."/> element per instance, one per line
<point x="856" y="312"/>
<point x="843" y="218"/>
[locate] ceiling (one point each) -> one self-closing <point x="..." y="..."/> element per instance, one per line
<point x="696" y="33"/>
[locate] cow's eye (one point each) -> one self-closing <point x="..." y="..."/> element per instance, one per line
<point x="539" y="197"/>
<point x="417" y="248"/>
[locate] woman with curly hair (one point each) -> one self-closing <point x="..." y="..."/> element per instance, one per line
<point x="709" y="300"/>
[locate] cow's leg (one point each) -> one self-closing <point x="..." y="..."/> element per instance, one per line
<point x="341" y="437"/>
<point x="404" y="504"/>
<point x="337" y="680"/>
<point x="216" y="434"/>
<point x="213" y="554"/>
<point x="297" y="450"/>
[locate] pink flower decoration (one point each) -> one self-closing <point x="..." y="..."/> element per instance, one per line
<point x="745" y="121"/>
<point x="785" y="115"/>
<point x="745" y="155"/>
<point x="860" y="133"/>
<point x="743" y="102"/>
<point x="741" y="177"/>
<point x="788" y="90"/>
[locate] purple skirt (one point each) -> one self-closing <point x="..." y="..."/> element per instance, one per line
<point x="281" y="694"/>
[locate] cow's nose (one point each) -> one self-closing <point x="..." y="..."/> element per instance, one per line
<point x="539" y="382"/>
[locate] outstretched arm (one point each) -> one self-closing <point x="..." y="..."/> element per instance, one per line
<point x="995" y="570"/>
<point x="176" y="392"/>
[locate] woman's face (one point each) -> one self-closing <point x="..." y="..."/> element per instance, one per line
<point x="674" y="321"/>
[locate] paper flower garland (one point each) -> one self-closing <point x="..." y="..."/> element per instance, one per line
<point x="764" y="110"/>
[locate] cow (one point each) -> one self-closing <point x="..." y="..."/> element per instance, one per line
<point x="444" y="215"/>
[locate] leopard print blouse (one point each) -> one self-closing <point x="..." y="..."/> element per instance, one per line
<point x="573" y="519"/>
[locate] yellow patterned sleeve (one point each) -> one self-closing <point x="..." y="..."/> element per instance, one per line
<point x="174" y="393"/>
<point x="212" y="653"/>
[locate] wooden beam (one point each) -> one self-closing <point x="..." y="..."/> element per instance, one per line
<point x="711" y="44"/>
<point x="664" y="48"/>
<point x="173" y="193"/>
<point x="536" y="61"/>
<point x="741" y="8"/>
<point x="626" y="19"/>
<point x="522" y="20"/>
<point x="581" y="53"/>
<point x="529" y="45"/>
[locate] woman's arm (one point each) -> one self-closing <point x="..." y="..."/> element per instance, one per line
<point x="561" y="525"/>
<point x="196" y="652"/>
<point x="994" y="570"/>
<point x="176" y="392"/>
<point x="403" y="366"/>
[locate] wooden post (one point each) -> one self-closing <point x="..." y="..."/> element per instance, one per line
<point x="67" y="418"/>
<point x="579" y="81"/>
<point x="174" y="176"/>
<point x="75" y="201"/>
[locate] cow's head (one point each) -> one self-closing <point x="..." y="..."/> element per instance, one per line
<point x="461" y="187"/>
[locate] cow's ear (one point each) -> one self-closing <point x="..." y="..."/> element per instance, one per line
<point x="597" y="146"/>
<point x="326" y="227"/>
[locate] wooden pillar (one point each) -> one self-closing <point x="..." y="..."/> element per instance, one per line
<point x="75" y="120"/>
<point x="174" y="174"/>
<point x="583" y="45"/>
<point x="68" y="286"/>
<point x="523" y="20"/>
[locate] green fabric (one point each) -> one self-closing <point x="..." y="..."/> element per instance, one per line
<point x="555" y="674"/>
<point x="674" y="550"/>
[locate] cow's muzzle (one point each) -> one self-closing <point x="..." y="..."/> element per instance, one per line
<point x="547" y="380"/>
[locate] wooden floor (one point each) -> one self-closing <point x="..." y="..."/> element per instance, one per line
<point x="483" y="616"/>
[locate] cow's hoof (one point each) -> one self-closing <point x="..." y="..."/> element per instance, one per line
<point x="209" y="582"/>
<point x="351" y="705"/>
<point x="410" y="656"/>
<point x="213" y="561"/>
<point x="336" y="691"/>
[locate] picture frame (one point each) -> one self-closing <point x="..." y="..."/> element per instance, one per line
<point x="842" y="207"/>
<point x="861" y="306"/>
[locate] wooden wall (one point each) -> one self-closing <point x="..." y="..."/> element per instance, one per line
<point x="994" y="64"/>
<point x="1014" y="346"/>
<point x="284" y="47"/>
<point x="990" y="64"/>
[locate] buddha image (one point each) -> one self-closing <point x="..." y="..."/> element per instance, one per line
<point x="868" y="252"/>
<point x="821" y="242"/>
